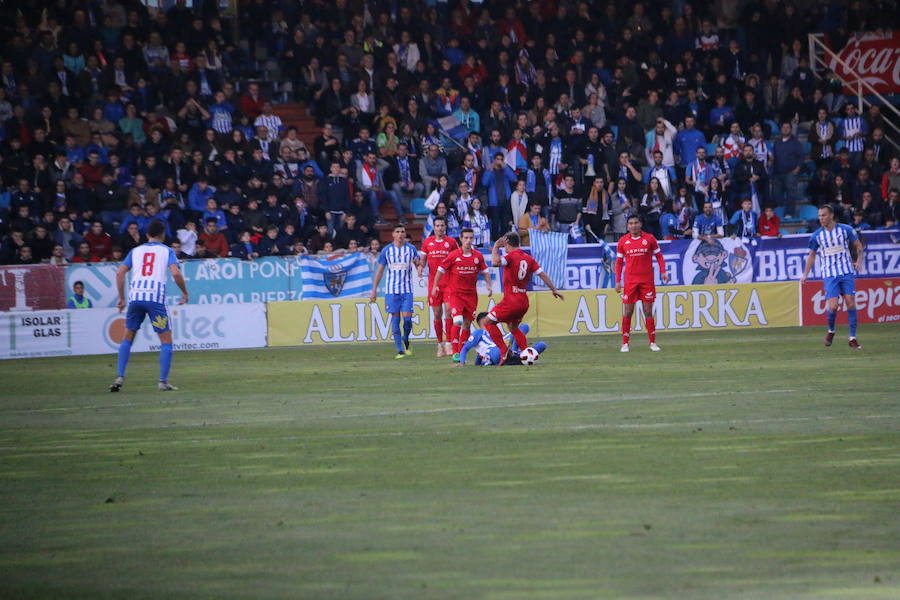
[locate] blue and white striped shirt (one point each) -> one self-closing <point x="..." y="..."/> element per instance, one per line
<point x="149" y="264"/>
<point x="833" y="248"/>
<point x="398" y="264"/>
<point x="853" y="125"/>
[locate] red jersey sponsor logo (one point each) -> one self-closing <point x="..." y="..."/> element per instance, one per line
<point x="464" y="269"/>
<point x="518" y="271"/>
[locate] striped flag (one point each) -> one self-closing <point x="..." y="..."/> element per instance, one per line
<point x="452" y="127"/>
<point x="343" y="277"/>
<point x="550" y="249"/>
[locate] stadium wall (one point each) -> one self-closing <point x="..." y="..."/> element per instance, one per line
<point x="28" y="334"/>
<point x="99" y="330"/>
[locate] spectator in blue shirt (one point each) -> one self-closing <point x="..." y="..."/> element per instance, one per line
<point x="687" y="141"/>
<point x="788" y="154"/>
<point x="200" y="192"/>
<point x="214" y="212"/>
<point x="708" y="225"/>
<point x="743" y="222"/>
<point x="721" y="116"/>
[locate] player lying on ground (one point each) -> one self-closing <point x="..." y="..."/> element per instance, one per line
<point x="518" y="269"/>
<point x="397" y="258"/>
<point x="835" y="244"/>
<point x="463" y="267"/>
<point x="487" y="352"/>
<point x="150" y="264"/>
<point x="435" y="249"/>
<point x="635" y="251"/>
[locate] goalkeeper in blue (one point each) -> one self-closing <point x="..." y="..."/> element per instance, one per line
<point x="486" y="351"/>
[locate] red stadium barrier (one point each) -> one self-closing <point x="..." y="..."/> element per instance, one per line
<point x="877" y="301"/>
<point x="32" y="287"/>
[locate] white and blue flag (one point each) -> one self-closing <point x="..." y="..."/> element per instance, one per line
<point x="551" y="250"/>
<point x="453" y="127"/>
<point x="345" y="277"/>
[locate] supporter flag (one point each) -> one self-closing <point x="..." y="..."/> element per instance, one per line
<point x="452" y="127"/>
<point x="550" y="249"/>
<point x="343" y="277"/>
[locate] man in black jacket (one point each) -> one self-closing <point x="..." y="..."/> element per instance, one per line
<point x="402" y="176"/>
<point x="750" y="179"/>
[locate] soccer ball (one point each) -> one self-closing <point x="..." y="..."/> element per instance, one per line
<point x="529" y="356"/>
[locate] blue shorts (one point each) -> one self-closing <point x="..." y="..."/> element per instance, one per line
<point x="137" y="310"/>
<point x="842" y="285"/>
<point x="398" y="303"/>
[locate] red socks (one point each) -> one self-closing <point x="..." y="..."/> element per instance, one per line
<point x="439" y="330"/>
<point x="519" y="336"/>
<point x="495" y="334"/>
<point x="454" y="337"/>
<point x="448" y="327"/>
<point x="626" y="329"/>
<point x="651" y="329"/>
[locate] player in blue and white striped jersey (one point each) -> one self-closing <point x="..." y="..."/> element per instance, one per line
<point x="486" y="351"/>
<point x="397" y="259"/>
<point x="150" y="265"/>
<point x="835" y="243"/>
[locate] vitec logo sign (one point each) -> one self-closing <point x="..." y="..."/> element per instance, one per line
<point x="877" y="301"/>
<point x="186" y="330"/>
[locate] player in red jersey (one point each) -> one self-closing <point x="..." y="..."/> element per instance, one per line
<point x="435" y="249"/>
<point x="636" y="250"/>
<point x="518" y="268"/>
<point x="463" y="265"/>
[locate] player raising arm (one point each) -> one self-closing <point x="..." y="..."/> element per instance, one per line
<point x="635" y="251"/>
<point x="152" y="262"/>
<point x="435" y="249"/>
<point x="518" y="268"/>
<point x="833" y="242"/>
<point x="464" y="265"/>
<point x="397" y="258"/>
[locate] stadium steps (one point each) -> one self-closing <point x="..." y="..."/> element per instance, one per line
<point x="297" y="115"/>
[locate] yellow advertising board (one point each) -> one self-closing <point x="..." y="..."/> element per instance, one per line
<point x="734" y="306"/>
<point x="583" y="312"/>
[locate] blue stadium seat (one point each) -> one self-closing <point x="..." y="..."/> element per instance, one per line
<point x="774" y="127"/>
<point x="711" y="149"/>
<point x="779" y="212"/>
<point x="808" y="212"/>
<point x="615" y="131"/>
<point x="417" y="206"/>
<point x="838" y="146"/>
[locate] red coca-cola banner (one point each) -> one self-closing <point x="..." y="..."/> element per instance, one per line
<point x="32" y="287"/>
<point x="877" y="301"/>
<point x="872" y="57"/>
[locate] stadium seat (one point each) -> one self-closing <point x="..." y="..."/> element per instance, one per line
<point x="774" y="127"/>
<point x="711" y="149"/>
<point x="838" y="146"/>
<point x="615" y="131"/>
<point x="779" y="212"/>
<point x="417" y="206"/>
<point x="808" y="212"/>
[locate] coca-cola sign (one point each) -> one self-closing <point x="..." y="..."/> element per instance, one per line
<point x="873" y="58"/>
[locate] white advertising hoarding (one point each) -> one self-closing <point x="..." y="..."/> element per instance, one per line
<point x="99" y="330"/>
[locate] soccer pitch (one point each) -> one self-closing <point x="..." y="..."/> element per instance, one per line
<point x="751" y="464"/>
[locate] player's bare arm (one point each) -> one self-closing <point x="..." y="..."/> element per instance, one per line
<point x="120" y="285"/>
<point x="379" y="273"/>
<point x="858" y="263"/>
<point x="496" y="259"/>
<point x="435" y="290"/>
<point x="175" y="270"/>
<point x="549" y="283"/>
<point x="810" y="261"/>
<point x="487" y="280"/>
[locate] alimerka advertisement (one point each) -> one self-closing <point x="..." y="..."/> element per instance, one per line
<point x="584" y="312"/>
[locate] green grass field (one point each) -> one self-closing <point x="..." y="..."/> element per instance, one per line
<point x="744" y="464"/>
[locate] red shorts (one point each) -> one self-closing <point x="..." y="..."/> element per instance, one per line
<point x="464" y="305"/>
<point x="511" y="309"/>
<point x="643" y="291"/>
<point x="443" y="296"/>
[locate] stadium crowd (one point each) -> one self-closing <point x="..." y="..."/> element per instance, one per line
<point x="706" y="119"/>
